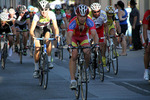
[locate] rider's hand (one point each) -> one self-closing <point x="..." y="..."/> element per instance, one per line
<point x="56" y="36"/>
<point x="96" y="47"/>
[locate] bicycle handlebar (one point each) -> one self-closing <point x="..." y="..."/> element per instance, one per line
<point x="51" y="39"/>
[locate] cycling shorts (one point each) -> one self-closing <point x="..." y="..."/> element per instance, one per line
<point x="39" y="31"/>
<point x="21" y="27"/>
<point x="100" y="32"/>
<point x="83" y="41"/>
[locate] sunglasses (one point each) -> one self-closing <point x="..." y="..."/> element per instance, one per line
<point x="57" y="9"/>
<point x="96" y="11"/>
<point x="46" y="9"/>
<point x="22" y="12"/>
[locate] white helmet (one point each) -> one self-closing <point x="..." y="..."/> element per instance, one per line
<point x="11" y="11"/>
<point x="110" y="9"/>
<point x="82" y="10"/>
<point x="57" y="6"/>
<point x="95" y="6"/>
<point x="44" y="4"/>
<point x="4" y="16"/>
<point x="36" y="9"/>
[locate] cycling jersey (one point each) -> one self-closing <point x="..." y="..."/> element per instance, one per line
<point x="41" y="21"/>
<point x="80" y="36"/>
<point x="146" y="20"/>
<point x="110" y="22"/>
<point x="59" y="17"/>
<point x="99" y="22"/>
<point x="5" y="28"/>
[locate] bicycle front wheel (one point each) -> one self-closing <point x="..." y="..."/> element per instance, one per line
<point x="92" y="66"/>
<point x="100" y="65"/>
<point x="114" y="60"/>
<point x="61" y="49"/>
<point x="108" y="59"/>
<point x="84" y="83"/>
<point x="45" y="70"/>
<point x="4" y="56"/>
<point x="77" y="90"/>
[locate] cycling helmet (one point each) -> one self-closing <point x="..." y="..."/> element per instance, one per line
<point x="43" y="4"/>
<point x="11" y="11"/>
<point x="21" y="8"/>
<point x="82" y="10"/>
<point x="36" y="9"/>
<point x="95" y="6"/>
<point x="30" y="8"/>
<point x="4" y="16"/>
<point x="57" y="6"/>
<point x="110" y="9"/>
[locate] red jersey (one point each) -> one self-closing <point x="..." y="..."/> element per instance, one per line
<point x="74" y="26"/>
<point x="146" y="18"/>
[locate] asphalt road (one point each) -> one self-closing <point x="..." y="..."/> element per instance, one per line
<point x="17" y="82"/>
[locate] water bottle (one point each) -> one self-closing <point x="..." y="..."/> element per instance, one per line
<point x="44" y="47"/>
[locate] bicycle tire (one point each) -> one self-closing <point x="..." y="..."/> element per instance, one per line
<point x="84" y="83"/>
<point x="108" y="59"/>
<point x="92" y="66"/>
<point x="45" y="70"/>
<point x="114" y="60"/>
<point x="4" y="56"/>
<point x="20" y="52"/>
<point x="99" y="64"/>
<point x="77" y="90"/>
<point x="40" y="70"/>
<point x="61" y="49"/>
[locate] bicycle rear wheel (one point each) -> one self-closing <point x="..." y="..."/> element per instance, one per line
<point x="84" y="83"/>
<point x="61" y="49"/>
<point x="108" y="59"/>
<point x="100" y="65"/>
<point x="114" y="60"/>
<point x="45" y="70"/>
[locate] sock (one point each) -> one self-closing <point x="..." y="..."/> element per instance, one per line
<point x="49" y="58"/>
<point x="146" y="70"/>
<point x="73" y="81"/>
<point x="36" y="66"/>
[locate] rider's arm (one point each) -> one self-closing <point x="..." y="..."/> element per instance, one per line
<point x="118" y="28"/>
<point x="66" y="22"/>
<point x="95" y="36"/>
<point x="55" y="26"/>
<point x="33" y="25"/>
<point x="106" y="28"/>
<point x="69" y="37"/>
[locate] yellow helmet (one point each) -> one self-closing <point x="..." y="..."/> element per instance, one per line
<point x="110" y="9"/>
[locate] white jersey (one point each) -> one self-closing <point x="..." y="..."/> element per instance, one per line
<point x="101" y="19"/>
<point x="60" y="16"/>
<point x="41" y="21"/>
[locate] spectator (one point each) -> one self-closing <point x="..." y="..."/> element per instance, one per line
<point x="146" y="35"/>
<point x="135" y="23"/>
<point x="129" y="30"/>
<point x="122" y="14"/>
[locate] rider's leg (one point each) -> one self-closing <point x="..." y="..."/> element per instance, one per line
<point x="146" y="62"/>
<point x="25" y="39"/>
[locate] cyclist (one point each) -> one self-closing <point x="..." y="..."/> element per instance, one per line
<point x="61" y="20"/>
<point x="22" y="23"/>
<point x="100" y="19"/>
<point x="77" y="29"/>
<point x="111" y="17"/>
<point x="41" y="26"/>
<point x="146" y="35"/>
<point x="5" y="27"/>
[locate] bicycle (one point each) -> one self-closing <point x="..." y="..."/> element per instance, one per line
<point x="81" y="74"/>
<point x="111" y="55"/>
<point x="96" y="63"/>
<point x="21" y="43"/>
<point x="61" y="44"/>
<point x="43" y="62"/>
<point x="4" y="50"/>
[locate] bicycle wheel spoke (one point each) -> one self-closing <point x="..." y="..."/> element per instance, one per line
<point x="114" y="60"/>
